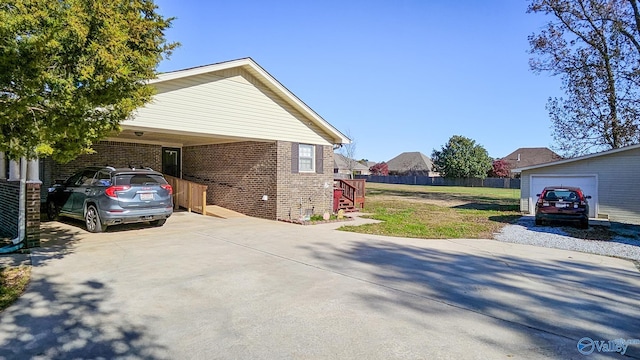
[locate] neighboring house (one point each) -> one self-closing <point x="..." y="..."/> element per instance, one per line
<point x="530" y="156"/>
<point x="609" y="177"/>
<point x="231" y="126"/>
<point x="411" y="163"/>
<point x="343" y="166"/>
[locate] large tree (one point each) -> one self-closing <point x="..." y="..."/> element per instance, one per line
<point x="380" y="169"/>
<point x="461" y="157"/>
<point x="500" y="169"/>
<point x="72" y="70"/>
<point x="593" y="45"/>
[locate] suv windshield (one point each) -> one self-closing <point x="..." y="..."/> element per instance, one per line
<point x="139" y="179"/>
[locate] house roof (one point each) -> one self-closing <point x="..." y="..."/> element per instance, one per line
<point x="530" y="156"/>
<point x="262" y="75"/>
<point x="410" y="161"/>
<point x="342" y="162"/>
<point x="579" y="158"/>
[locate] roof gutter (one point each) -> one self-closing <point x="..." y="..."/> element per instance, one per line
<point x="18" y="242"/>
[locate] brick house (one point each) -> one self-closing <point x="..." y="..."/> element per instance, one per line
<point x="233" y="127"/>
<point x="411" y="163"/>
<point x="524" y="157"/>
<point x="343" y="167"/>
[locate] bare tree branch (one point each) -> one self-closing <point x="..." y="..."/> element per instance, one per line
<point x="591" y="46"/>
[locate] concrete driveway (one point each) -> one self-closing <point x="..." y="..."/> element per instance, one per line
<point x="245" y="288"/>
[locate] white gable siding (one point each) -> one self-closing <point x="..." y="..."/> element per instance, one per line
<point x="618" y="183"/>
<point x="228" y="103"/>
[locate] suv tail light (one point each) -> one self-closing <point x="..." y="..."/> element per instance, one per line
<point x="168" y="188"/>
<point x="111" y="190"/>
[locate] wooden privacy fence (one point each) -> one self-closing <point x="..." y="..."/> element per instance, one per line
<point x="506" y="183"/>
<point x="188" y="195"/>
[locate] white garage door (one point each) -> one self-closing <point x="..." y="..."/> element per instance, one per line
<point x="588" y="184"/>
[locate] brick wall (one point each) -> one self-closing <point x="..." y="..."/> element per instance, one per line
<point x="237" y="175"/>
<point x="299" y="193"/>
<point x="9" y="198"/>
<point x="9" y="195"/>
<point x="112" y="153"/>
<point x="33" y="215"/>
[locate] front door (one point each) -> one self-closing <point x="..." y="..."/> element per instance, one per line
<point x="171" y="161"/>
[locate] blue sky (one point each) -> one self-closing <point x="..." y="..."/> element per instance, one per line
<point x="397" y="75"/>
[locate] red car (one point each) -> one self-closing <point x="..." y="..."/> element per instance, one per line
<point x="563" y="203"/>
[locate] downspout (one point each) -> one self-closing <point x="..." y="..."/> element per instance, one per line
<point x="18" y="242"/>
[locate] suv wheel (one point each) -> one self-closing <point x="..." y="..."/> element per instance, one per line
<point x="52" y="211"/>
<point x="92" y="220"/>
<point x="158" y="222"/>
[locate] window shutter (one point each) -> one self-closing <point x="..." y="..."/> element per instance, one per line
<point x="294" y="158"/>
<point x="319" y="159"/>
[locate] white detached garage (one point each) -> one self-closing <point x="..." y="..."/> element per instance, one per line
<point x="611" y="178"/>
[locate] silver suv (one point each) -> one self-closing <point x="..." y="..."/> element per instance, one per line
<point x="104" y="196"/>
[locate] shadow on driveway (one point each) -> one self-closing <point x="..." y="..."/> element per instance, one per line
<point x="564" y="298"/>
<point x="55" y="319"/>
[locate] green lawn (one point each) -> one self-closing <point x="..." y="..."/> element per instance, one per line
<point x="438" y="212"/>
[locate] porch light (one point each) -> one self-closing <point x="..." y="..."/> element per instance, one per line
<point x="139" y="133"/>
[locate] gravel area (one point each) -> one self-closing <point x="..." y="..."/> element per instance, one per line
<point x="625" y="242"/>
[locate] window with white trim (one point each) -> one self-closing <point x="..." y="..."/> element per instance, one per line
<point x="306" y="158"/>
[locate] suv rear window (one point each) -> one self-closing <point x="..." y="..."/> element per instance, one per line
<point x="561" y="194"/>
<point x="139" y="179"/>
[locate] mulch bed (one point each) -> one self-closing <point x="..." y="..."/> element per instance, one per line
<point x="305" y="222"/>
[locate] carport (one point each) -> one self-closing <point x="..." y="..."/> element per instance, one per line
<point x="232" y="127"/>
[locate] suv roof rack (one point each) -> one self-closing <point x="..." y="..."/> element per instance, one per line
<point x="133" y="167"/>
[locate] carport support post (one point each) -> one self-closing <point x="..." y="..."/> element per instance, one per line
<point x="33" y="171"/>
<point x="189" y="197"/>
<point x="14" y="170"/>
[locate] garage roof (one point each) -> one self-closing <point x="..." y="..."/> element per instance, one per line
<point x="579" y="158"/>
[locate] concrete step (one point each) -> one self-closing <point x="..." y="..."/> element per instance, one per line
<point x="348" y="208"/>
